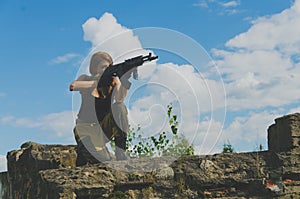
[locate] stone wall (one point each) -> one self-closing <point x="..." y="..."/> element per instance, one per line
<point x="284" y="139"/>
<point x="284" y="135"/>
<point x="25" y="164"/>
<point x="49" y="171"/>
<point x="4" y="186"/>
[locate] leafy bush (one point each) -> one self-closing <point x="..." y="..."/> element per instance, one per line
<point x="163" y="144"/>
<point x="227" y="148"/>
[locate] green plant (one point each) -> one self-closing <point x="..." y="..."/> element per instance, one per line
<point x="164" y="144"/>
<point x="227" y="148"/>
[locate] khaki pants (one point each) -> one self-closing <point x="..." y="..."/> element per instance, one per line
<point x="115" y="123"/>
<point x="90" y="144"/>
<point x="92" y="137"/>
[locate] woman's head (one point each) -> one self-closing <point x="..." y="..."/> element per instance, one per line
<point x="99" y="62"/>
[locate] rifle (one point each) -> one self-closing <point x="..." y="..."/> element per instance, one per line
<point x="118" y="70"/>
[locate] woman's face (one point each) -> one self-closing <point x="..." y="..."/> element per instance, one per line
<point x="102" y="66"/>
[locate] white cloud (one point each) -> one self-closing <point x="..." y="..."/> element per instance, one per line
<point x="256" y="76"/>
<point x="244" y="133"/>
<point x="191" y="96"/>
<point x="20" y="122"/>
<point x="221" y="7"/>
<point x="106" y="33"/>
<point x="64" y="58"/>
<point x="259" y="66"/>
<point x="3" y="94"/>
<point x="261" y="74"/>
<point x="207" y="138"/>
<point x="3" y="163"/>
<point x="61" y="123"/>
<point x="229" y="4"/>
<point x="249" y="131"/>
<point x="159" y="84"/>
<point x="294" y="110"/>
<point x="6" y="119"/>
<point x="279" y="31"/>
<point x="202" y="4"/>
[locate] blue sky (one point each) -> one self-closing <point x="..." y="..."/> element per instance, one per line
<point x="252" y="43"/>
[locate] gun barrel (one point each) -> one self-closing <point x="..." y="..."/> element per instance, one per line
<point x="121" y="68"/>
<point x="149" y="57"/>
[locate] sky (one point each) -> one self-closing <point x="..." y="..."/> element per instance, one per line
<point x="229" y="67"/>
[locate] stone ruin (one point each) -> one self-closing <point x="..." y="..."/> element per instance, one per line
<point x="49" y="171"/>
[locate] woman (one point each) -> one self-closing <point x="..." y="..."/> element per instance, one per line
<point x="88" y="132"/>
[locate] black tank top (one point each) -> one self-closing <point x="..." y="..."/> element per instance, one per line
<point x="92" y="109"/>
<point x="103" y="106"/>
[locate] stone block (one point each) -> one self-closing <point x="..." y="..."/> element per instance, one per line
<point x="284" y="134"/>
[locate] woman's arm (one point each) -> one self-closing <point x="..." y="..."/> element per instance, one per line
<point x="81" y="84"/>
<point x="120" y="91"/>
<point x="121" y="94"/>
